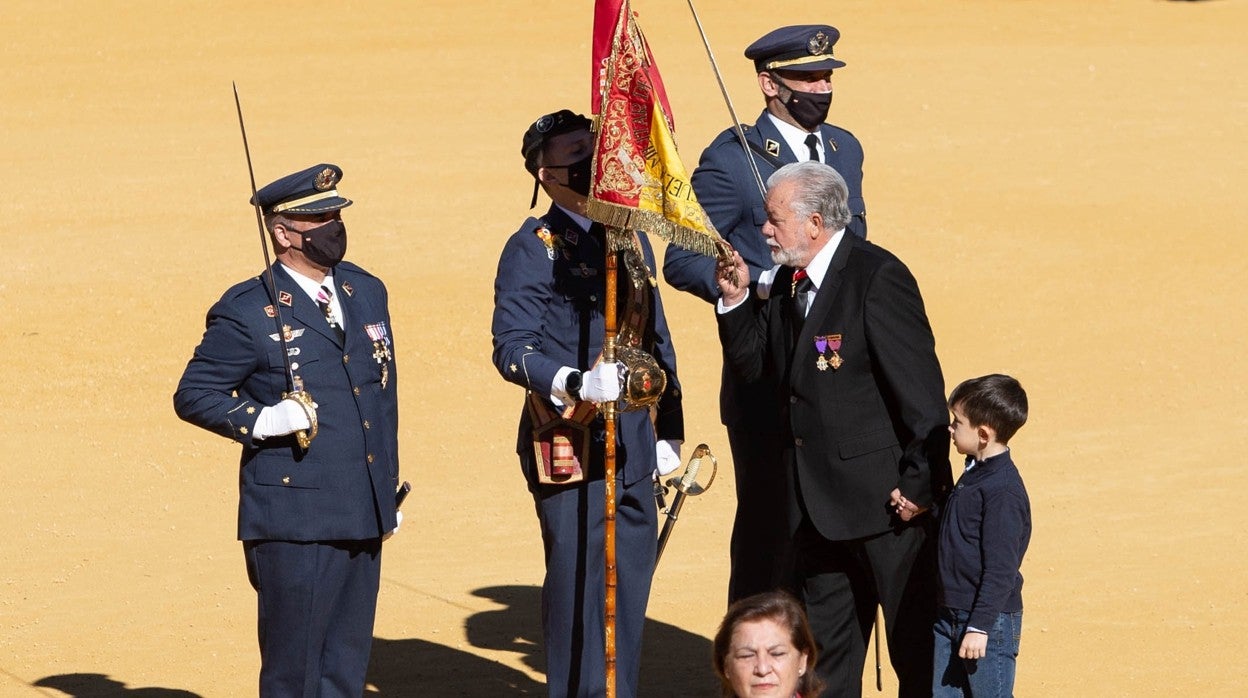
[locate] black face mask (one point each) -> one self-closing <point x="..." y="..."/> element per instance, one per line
<point x="325" y="245"/>
<point x="808" y="109"/>
<point x="578" y="174"/>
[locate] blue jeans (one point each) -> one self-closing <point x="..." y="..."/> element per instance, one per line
<point x="989" y="677"/>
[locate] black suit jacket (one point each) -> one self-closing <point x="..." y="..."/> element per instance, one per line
<point x="726" y="188"/>
<point x="876" y="422"/>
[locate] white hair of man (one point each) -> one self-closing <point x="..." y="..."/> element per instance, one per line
<point x="819" y="189"/>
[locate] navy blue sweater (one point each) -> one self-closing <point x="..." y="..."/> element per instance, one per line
<point x="984" y="531"/>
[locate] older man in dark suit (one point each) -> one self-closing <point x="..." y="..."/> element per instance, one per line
<point x="311" y="515"/>
<point x="794" y="67"/>
<point x="840" y="325"/>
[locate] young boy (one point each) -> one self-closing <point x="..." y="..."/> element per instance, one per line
<point x="984" y="529"/>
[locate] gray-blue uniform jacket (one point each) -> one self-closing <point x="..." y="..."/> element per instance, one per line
<point x="548" y="313"/>
<point x="727" y="190"/>
<point x="342" y="487"/>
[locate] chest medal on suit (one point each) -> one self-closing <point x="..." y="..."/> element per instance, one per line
<point x="824" y="342"/>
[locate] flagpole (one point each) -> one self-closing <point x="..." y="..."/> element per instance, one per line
<point x="749" y="157"/>
<point x="609" y="415"/>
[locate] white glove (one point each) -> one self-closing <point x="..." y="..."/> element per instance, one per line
<point x="668" y="452"/>
<point x="286" y="417"/>
<point x="601" y="383"/>
<point x="398" y="521"/>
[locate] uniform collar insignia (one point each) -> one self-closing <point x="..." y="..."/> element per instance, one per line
<point x="284" y="298"/>
<point x="773" y="147"/>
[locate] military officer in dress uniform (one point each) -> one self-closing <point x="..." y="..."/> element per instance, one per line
<point x="548" y="332"/>
<point x="311" y="514"/>
<point x="794" y="66"/>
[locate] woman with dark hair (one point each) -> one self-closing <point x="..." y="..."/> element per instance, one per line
<point x="764" y="648"/>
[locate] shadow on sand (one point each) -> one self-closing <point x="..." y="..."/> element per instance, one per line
<point x="674" y="662"/>
<point x="101" y="685"/>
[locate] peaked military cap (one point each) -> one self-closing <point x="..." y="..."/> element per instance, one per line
<point x="314" y="190"/>
<point x="805" y="47"/>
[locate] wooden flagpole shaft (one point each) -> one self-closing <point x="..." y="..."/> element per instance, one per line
<point x="609" y="415"/>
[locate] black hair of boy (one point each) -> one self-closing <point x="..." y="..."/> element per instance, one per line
<point x="996" y="400"/>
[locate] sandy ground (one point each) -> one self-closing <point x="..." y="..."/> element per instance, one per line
<point x="1064" y="178"/>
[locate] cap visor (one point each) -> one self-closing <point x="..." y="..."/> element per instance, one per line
<point x="330" y="204"/>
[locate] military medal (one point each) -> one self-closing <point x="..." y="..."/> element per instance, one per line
<point x="834" y="343"/>
<point x="381" y="349"/>
<point x="822" y="344"/>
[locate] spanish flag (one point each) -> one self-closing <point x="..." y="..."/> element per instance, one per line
<point x="639" y="182"/>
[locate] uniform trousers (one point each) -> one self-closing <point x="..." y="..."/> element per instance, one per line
<point x="761" y="551"/>
<point x="316" y="602"/>
<point x="844" y="582"/>
<point x="573" y="520"/>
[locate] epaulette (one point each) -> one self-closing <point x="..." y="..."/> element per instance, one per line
<point x="243" y="287"/>
<point x="351" y="267"/>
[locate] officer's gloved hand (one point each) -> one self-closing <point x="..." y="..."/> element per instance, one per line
<point x="286" y="417"/>
<point x="668" y="452"/>
<point x="601" y="383"/>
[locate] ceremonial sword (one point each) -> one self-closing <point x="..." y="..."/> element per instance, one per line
<point x="294" y="386"/>
<point x="686" y="486"/>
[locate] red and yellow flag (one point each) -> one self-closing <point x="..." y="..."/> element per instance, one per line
<point x="639" y="182"/>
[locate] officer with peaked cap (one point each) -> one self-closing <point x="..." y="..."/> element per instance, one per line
<point x="311" y="519"/>
<point x="548" y="328"/>
<point x="794" y="66"/>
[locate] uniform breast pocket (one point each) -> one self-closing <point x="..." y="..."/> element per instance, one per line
<point x="277" y="469"/>
<point x="760" y="216"/>
<point x="582" y="292"/>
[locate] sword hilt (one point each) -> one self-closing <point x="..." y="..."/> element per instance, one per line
<point x="304" y="399"/>
<point x="687" y="483"/>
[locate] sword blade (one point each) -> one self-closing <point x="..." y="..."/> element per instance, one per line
<point x="673" y="514"/>
<point x="264" y="247"/>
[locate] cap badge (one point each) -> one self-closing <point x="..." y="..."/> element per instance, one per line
<point x="545" y="123"/>
<point x="818" y="44"/>
<point x="325" y="179"/>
